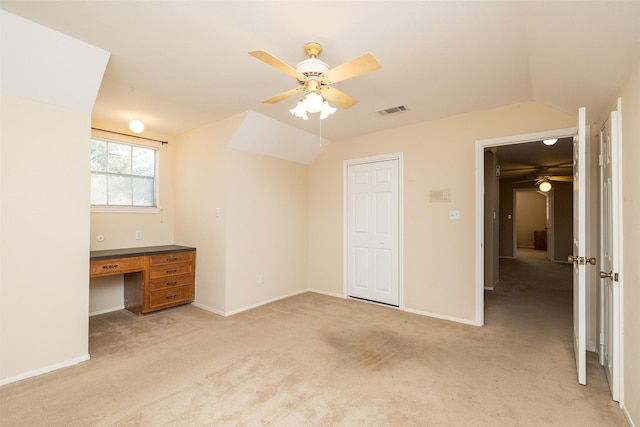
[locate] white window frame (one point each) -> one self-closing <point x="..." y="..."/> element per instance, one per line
<point x="156" y="178"/>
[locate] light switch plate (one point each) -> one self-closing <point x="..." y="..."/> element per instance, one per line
<point x="454" y="214"/>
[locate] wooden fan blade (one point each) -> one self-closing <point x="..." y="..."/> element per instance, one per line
<point x="356" y="67"/>
<point x="269" y="59"/>
<point x="561" y="178"/>
<point x="284" y="95"/>
<point x="341" y="99"/>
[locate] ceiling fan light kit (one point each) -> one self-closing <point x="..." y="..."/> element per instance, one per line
<point x="545" y="186"/>
<point x="314" y="77"/>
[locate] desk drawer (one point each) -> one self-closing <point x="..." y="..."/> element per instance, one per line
<point x="170" y="297"/>
<point x="171" y="282"/>
<point x="170" y="270"/>
<point x="108" y="267"/>
<point x="171" y="258"/>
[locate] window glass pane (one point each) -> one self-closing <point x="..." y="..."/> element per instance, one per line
<point x="144" y="161"/>
<point x="98" y="155"/>
<point x="119" y="158"/>
<point x="98" y="189"/>
<point x="119" y="190"/>
<point x="122" y="174"/>
<point x="143" y="192"/>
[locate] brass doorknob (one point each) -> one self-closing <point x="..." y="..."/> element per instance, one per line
<point x="608" y="275"/>
<point x="592" y="260"/>
<point x="571" y="259"/>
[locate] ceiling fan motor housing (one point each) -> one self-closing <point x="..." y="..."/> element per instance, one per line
<point x="312" y="67"/>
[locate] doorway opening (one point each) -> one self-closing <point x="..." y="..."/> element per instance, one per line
<point x="495" y="204"/>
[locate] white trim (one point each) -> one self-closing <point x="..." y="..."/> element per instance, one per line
<point x="627" y="415"/>
<point x="44" y="370"/>
<point x="207" y="308"/>
<point x="264" y="302"/>
<point x="385" y="157"/>
<point x="442" y="317"/>
<point x="106" y="310"/>
<point x="329" y="294"/>
<point x="481" y="144"/>
<point x="126" y="209"/>
<point x="621" y="260"/>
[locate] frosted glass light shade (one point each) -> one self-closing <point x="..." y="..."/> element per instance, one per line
<point x="136" y="126"/>
<point x="545" y="186"/>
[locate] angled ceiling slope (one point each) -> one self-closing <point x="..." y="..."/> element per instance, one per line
<point x="263" y="135"/>
<point x="46" y="66"/>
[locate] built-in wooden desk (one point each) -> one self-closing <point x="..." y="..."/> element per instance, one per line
<point x="155" y="277"/>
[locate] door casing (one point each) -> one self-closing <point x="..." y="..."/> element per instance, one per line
<point x="480" y="147"/>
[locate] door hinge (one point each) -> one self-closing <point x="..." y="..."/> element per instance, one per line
<point x="601" y="339"/>
<point x="600" y="160"/>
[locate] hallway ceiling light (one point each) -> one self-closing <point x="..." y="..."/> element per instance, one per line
<point x="550" y="141"/>
<point x="544" y="186"/>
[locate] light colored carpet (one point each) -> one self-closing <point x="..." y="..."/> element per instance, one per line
<point x="315" y="360"/>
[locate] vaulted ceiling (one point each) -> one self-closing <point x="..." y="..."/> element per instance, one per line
<point x="182" y="64"/>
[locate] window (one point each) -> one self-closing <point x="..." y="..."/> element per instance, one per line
<point x="122" y="174"/>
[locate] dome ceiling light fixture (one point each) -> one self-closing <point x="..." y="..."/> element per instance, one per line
<point x="136" y="126"/>
<point x="549" y="141"/>
<point x="314" y="78"/>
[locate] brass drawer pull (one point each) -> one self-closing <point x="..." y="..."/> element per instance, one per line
<point x="105" y="267"/>
<point x="171" y="296"/>
<point x="171" y="271"/>
<point x="171" y="283"/>
<point x="172" y="259"/>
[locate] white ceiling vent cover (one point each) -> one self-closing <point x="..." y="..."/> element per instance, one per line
<point x="391" y="110"/>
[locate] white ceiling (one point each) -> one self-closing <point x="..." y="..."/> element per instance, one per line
<point x="178" y="65"/>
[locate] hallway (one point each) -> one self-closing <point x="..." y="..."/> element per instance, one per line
<point x="533" y="303"/>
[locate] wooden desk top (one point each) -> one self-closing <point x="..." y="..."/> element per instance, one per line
<point x="133" y="252"/>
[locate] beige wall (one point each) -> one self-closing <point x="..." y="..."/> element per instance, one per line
<point x="45" y="236"/>
<point x="437" y="154"/>
<point x="200" y="186"/>
<point x="562" y="220"/>
<point x="491" y="220"/>
<point x="266" y="229"/>
<point x="531" y="215"/>
<point x="44" y="196"/>
<point x="262" y="227"/>
<point x="630" y="94"/>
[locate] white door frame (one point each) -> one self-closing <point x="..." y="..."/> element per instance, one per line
<point x="345" y="180"/>
<point x="480" y="146"/>
<point x="616" y="200"/>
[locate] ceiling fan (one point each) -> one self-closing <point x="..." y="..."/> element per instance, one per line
<point x="315" y="77"/>
<point x="543" y="179"/>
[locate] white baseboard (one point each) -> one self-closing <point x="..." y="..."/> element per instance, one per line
<point x="44" y="370"/>
<point x="107" y="310"/>
<point x="331" y="294"/>
<point x="258" y="304"/>
<point x="207" y="308"/>
<point x="628" y="417"/>
<point x="440" y="316"/>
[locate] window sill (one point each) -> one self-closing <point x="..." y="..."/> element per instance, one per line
<point x="125" y="209"/>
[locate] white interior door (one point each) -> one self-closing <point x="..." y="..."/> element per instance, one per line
<point x="579" y="247"/>
<point x="372" y="231"/>
<point x="609" y="256"/>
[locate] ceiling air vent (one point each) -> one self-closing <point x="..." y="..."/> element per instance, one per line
<point x="391" y="110"/>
